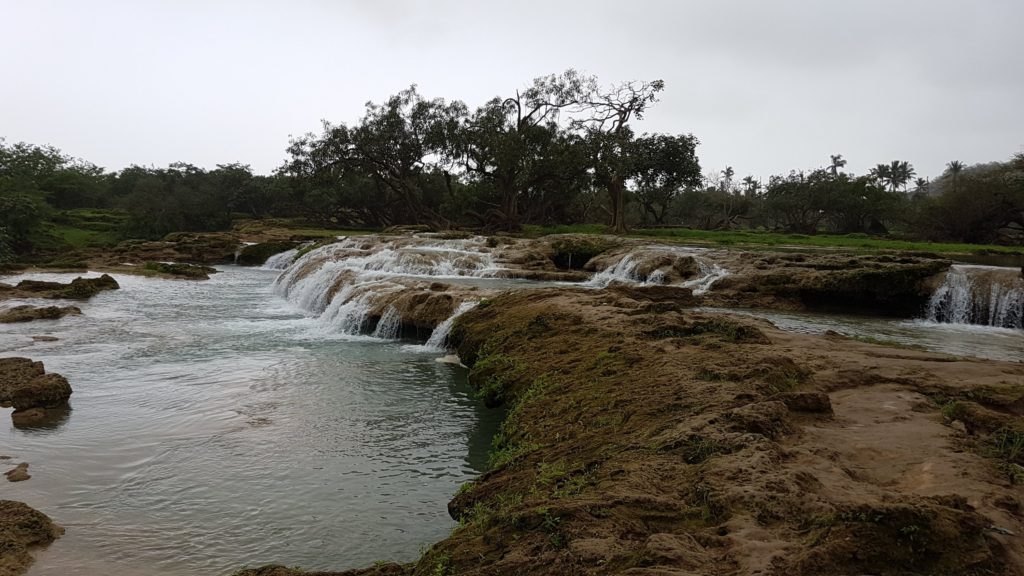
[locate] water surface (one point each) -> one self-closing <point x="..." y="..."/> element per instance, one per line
<point x="213" y="425"/>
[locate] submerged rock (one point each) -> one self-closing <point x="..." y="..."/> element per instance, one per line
<point x="26" y="313"/>
<point x="18" y="474"/>
<point x="22" y="528"/>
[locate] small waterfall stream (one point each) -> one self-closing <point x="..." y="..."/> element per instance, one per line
<point x="368" y="285"/>
<point x="983" y="295"/>
<point x="654" y="266"/>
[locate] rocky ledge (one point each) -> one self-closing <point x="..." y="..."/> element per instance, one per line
<point x="21" y="529"/>
<point x="25" y="386"/>
<point x="646" y="438"/>
<point x="26" y="313"/>
<point x="77" y="289"/>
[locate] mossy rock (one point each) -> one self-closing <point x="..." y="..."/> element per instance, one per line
<point x="573" y="252"/>
<point x="257" y="254"/>
<point x="189" y="271"/>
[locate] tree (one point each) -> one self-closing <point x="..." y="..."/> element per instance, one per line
<point x="726" y="181"/>
<point x="663" y="164"/>
<point x="508" y="144"/>
<point x="382" y="171"/>
<point x="954" y="168"/>
<point x="609" y="134"/>
<point x="751" y="186"/>
<point x="797" y="202"/>
<point x="837" y="163"/>
<point x="894" y="175"/>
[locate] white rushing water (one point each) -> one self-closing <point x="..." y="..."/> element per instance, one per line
<point x="281" y="260"/>
<point x="983" y="295"/>
<point x="639" y="268"/>
<point x="439" y="337"/>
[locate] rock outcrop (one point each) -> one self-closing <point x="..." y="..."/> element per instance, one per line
<point x="25" y="386"/>
<point x="21" y="529"/>
<point x="257" y="254"/>
<point x="78" y="289"/>
<point x="19" y="473"/>
<point x="27" y="313"/>
<point x="648" y="438"/>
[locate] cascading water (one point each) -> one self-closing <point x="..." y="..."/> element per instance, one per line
<point x="389" y="325"/>
<point x="439" y="337"/>
<point x="636" y="268"/>
<point x="281" y="260"/>
<point x="349" y="284"/>
<point x="983" y="295"/>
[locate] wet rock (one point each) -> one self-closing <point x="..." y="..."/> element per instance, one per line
<point x="78" y="289"/>
<point x="28" y="417"/>
<point x="46" y="391"/>
<point x="25" y="385"/>
<point x="26" y="313"/>
<point x="257" y="254"/>
<point x="22" y="528"/>
<point x="186" y="271"/>
<point x="19" y="473"/>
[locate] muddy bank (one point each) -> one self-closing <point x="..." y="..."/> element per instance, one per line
<point x="646" y="438"/>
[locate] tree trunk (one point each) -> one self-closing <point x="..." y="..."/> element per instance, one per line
<point x="617" y="195"/>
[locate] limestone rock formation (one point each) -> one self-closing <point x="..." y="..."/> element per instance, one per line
<point x="22" y="528"/>
<point x="25" y="386"/>
<point x="27" y="313"/>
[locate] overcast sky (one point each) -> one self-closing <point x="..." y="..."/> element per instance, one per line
<point x="766" y="86"/>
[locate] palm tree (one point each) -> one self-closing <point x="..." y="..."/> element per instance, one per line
<point x="902" y="172"/>
<point x="921" y="185"/>
<point x="751" y="186"/>
<point x="954" y="168"/>
<point x="837" y="163"/>
<point x="727" y="175"/>
<point x="882" y="173"/>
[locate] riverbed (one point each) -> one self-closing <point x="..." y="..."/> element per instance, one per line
<point x="214" y="425"/>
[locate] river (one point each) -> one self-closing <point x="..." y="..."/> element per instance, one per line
<point x="214" y="425"/>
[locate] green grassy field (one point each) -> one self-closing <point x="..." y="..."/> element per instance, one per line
<point x="775" y="239"/>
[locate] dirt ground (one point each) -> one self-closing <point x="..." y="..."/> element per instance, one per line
<point x="646" y="438"/>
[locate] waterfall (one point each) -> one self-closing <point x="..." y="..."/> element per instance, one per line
<point x="353" y="283"/>
<point x="389" y="325"/>
<point x="983" y="295"/>
<point x="709" y="274"/>
<point x="439" y="336"/>
<point x="630" y="269"/>
<point x="622" y="271"/>
<point x="281" y="260"/>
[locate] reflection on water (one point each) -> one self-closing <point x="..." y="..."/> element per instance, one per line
<point x="213" y="427"/>
<point x="51" y="419"/>
<point x="957" y="339"/>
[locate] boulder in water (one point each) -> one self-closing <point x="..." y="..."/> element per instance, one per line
<point x="22" y="528"/>
<point x="28" y="313"/>
<point x="25" y="385"/>
<point x="19" y="473"/>
<point x="78" y="289"/>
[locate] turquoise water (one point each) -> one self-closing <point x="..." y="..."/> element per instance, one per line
<point x="214" y="426"/>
